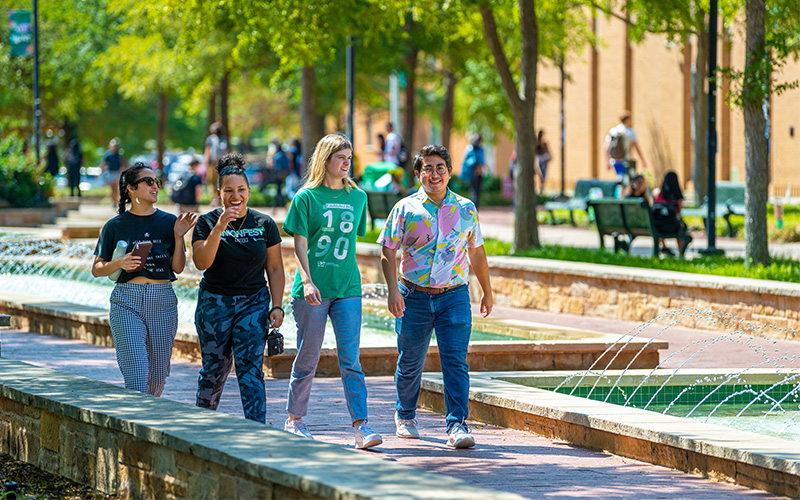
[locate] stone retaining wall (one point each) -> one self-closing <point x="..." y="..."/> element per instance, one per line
<point x="139" y="446"/>
<point x="624" y="293"/>
<point x="91" y="325"/>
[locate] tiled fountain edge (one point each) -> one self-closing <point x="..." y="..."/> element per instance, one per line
<point x="716" y="452"/>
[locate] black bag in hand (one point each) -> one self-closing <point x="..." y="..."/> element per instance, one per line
<point x="274" y="342"/>
<point x="665" y="218"/>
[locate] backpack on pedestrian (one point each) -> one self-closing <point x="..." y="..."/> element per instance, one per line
<point x="219" y="147"/>
<point x="182" y="191"/>
<point x="616" y="145"/>
<point x="402" y="155"/>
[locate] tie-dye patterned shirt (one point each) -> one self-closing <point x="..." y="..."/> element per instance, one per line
<point x="434" y="238"/>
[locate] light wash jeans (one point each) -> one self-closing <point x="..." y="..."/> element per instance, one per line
<point x="345" y="317"/>
<point x="450" y="315"/>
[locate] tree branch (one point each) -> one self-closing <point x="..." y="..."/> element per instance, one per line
<point x="611" y="13"/>
<point x="500" y="61"/>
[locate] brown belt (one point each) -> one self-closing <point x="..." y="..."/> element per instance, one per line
<point x="428" y="289"/>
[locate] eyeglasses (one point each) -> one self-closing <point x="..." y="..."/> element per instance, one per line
<point x="150" y="181"/>
<point x="439" y="169"/>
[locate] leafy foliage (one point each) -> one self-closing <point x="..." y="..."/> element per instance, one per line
<point x="22" y="183"/>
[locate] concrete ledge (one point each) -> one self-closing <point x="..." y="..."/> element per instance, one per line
<point x="32" y="217"/>
<point x="624" y="293"/>
<point x="91" y="325"/>
<point x="139" y="446"/>
<point x="712" y="451"/>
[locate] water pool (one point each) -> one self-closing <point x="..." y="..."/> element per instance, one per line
<point x="757" y="400"/>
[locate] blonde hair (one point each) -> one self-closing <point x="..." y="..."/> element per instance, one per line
<point x="326" y="147"/>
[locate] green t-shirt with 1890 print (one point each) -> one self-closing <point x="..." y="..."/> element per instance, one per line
<point x="330" y="219"/>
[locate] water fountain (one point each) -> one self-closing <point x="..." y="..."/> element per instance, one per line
<point x="623" y="371"/>
<point x="60" y="271"/>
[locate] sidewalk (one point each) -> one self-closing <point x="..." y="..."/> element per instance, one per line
<point x="498" y="222"/>
<point x="504" y="459"/>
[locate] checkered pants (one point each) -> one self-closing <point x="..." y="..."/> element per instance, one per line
<point x="144" y="320"/>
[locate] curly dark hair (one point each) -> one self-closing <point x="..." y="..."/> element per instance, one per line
<point x="231" y="164"/>
<point x="430" y="150"/>
<point x="126" y="178"/>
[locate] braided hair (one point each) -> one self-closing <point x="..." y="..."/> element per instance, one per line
<point x="126" y="178"/>
<point x="231" y="164"/>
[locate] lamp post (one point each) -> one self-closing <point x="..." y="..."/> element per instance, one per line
<point x="711" y="134"/>
<point x="36" y="100"/>
<point x="563" y="129"/>
<point x="351" y="91"/>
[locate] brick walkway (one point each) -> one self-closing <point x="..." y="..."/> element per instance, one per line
<point x="504" y="459"/>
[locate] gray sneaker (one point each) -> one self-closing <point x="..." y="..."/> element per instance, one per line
<point x="459" y="437"/>
<point x="298" y="428"/>
<point x="406" y="429"/>
<point x="366" y="437"/>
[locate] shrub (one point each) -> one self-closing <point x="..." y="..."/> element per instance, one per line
<point x="22" y="183"/>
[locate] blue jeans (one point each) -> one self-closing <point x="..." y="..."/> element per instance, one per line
<point x="345" y="317"/>
<point x="450" y="315"/>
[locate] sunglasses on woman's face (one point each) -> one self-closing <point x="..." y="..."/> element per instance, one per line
<point x="150" y="181"/>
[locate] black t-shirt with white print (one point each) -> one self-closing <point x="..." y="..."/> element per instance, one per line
<point x="241" y="259"/>
<point x="157" y="228"/>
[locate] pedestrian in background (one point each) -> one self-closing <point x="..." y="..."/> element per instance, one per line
<point x="51" y="160"/>
<point x="112" y="166"/>
<point x="620" y="142"/>
<point x="73" y="159"/>
<point x="472" y="168"/>
<point x="144" y="309"/>
<point x="279" y="171"/>
<point x="324" y="219"/>
<point x="234" y="246"/>
<point x="216" y="146"/>
<point x="543" y="155"/>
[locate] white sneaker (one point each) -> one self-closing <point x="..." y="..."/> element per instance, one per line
<point x="459" y="437"/>
<point x="298" y="428"/>
<point x="406" y="429"/>
<point x="366" y="437"/>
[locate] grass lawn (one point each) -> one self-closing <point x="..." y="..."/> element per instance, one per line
<point x="780" y="270"/>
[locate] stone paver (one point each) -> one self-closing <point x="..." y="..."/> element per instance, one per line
<point x="504" y="459"/>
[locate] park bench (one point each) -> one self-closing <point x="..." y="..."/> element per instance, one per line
<point x="583" y="189"/>
<point x="380" y="203"/>
<point x="627" y="219"/>
<point x="730" y="201"/>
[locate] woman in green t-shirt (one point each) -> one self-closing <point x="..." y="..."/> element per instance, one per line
<point x="325" y="216"/>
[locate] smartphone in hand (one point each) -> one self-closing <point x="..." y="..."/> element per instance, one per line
<point x="142" y="250"/>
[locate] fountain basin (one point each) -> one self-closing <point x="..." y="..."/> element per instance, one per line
<point x="719" y="453"/>
<point x="90" y="324"/>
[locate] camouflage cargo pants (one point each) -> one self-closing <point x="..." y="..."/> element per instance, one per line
<point x="233" y="329"/>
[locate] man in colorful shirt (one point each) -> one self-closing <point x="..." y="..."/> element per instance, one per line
<point x="439" y="234"/>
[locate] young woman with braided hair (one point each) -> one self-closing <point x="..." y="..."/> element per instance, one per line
<point x="239" y="252"/>
<point x="144" y="309"/>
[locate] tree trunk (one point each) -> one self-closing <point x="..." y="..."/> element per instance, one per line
<point x="162" y="127"/>
<point x="448" y="109"/>
<point x="308" y="112"/>
<point x="523" y="103"/>
<point x="212" y="108"/>
<point x="756" y="146"/>
<point x="223" y="104"/>
<point x="700" y="114"/>
<point x="408" y="128"/>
